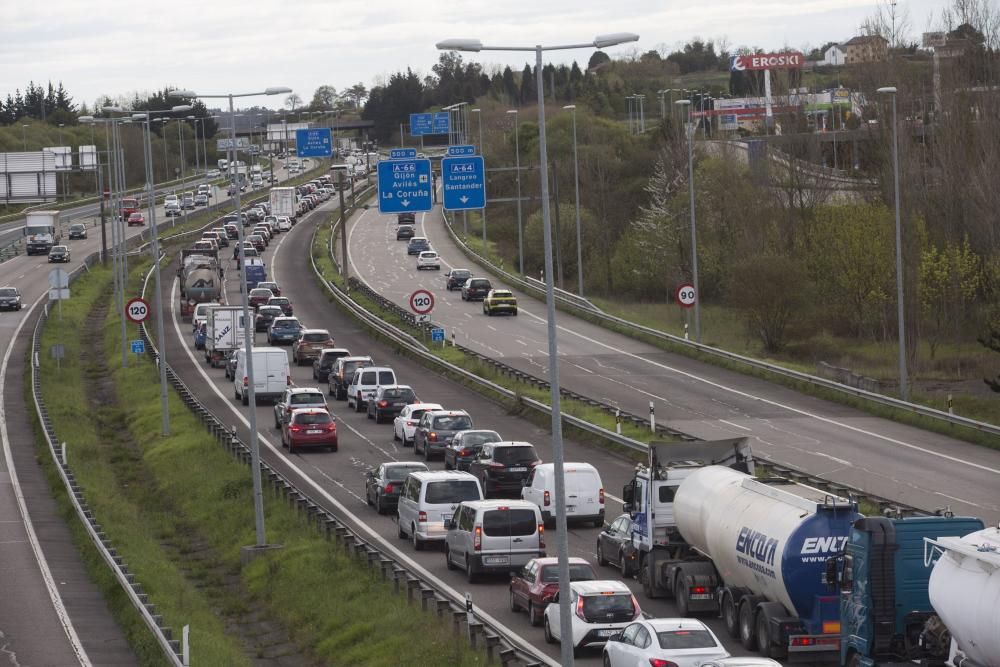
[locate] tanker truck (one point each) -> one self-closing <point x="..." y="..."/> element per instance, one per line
<point x="200" y="281"/>
<point x="889" y="615"/>
<point x="710" y="534"/>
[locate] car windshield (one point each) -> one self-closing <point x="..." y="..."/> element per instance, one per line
<point x="452" y="492"/>
<point x="514" y="455"/>
<point x="316" y="337"/>
<point x="510" y="522"/>
<point x="8" y="292"/>
<point x="399" y="394"/>
<point x="680" y="639"/>
<point x="452" y="423"/>
<point x="270" y="312"/>
<point x="307" y="397"/>
<point x="313" y="418"/>
<point x="577" y="572"/>
<point x="76" y="228"/>
<point x="474" y="438"/>
<point x="399" y="473"/>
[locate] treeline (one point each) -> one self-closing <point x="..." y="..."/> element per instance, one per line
<point x="51" y="104"/>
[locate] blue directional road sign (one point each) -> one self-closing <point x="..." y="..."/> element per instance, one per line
<point x="402" y="153"/>
<point x="463" y="180"/>
<point x="404" y="186"/>
<point x="437" y="335"/>
<point x="421" y="124"/>
<point x="461" y="150"/>
<point x="442" y="122"/>
<point x="314" y="143"/>
<point x="138" y="346"/>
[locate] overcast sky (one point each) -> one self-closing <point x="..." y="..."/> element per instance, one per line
<point x="116" y="47"/>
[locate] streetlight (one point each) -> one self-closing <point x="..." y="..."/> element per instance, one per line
<point x="642" y="115"/>
<point x="258" y="494"/>
<point x="599" y="42"/>
<point x="576" y="180"/>
<point x="482" y="211"/>
<point x="689" y="130"/>
<point x="904" y="390"/>
<point x="517" y="163"/>
<point x="154" y="245"/>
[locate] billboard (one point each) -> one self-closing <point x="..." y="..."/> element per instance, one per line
<point x="63" y="155"/>
<point x="88" y="158"/>
<point x="27" y="177"/>
<point x="761" y="61"/>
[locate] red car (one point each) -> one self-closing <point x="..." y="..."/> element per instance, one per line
<point x="309" y="427"/>
<point x="136" y="219"/>
<point x="534" y="585"/>
<point x="259" y="296"/>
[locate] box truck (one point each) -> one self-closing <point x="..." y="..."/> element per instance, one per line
<point x="282" y="202"/>
<point x="41" y="232"/>
<point x="225" y="333"/>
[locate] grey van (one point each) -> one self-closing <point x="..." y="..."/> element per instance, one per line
<point x="428" y="498"/>
<point x="493" y="536"/>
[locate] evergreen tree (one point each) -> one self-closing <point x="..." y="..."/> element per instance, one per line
<point x="527" y="94"/>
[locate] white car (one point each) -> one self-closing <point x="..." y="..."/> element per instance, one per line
<point x="684" y="642"/>
<point x="601" y="610"/>
<point x="213" y="173"/>
<point x="284" y="224"/>
<point x="428" y="259"/>
<point x="405" y="424"/>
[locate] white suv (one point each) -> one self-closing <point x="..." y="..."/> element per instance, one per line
<point x="428" y="259"/>
<point x="599" y="610"/>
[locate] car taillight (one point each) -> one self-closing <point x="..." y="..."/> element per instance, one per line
<point x="422" y="517"/>
<point x="465" y="452"/>
<point x="541" y="536"/>
<point x="660" y="662"/>
<point x="389" y="487"/>
<point x="697" y="590"/>
<point x="383" y="404"/>
<point x="601" y="497"/>
<point x="497" y="466"/>
<point x="411" y="422"/>
<point x="477" y="542"/>
<point x="294" y="428"/>
<point x="579" y="609"/>
<point x="548" y="499"/>
<point x="432" y="436"/>
<point x="246" y="381"/>
<point x="331" y="427"/>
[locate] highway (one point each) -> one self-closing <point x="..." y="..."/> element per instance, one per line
<point x="50" y="611"/>
<point x="827" y="439"/>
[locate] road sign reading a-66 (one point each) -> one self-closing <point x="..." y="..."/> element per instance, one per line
<point x="404" y="186"/>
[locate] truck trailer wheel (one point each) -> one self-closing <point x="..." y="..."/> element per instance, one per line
<point x="681" y="596"/>
<point x="748" y="634"/>
<point x="730" y="616"/>
<point x="765" y="645"/>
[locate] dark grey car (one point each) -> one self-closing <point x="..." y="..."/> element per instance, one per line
<point x="436" y="429"/>
<point x="465" y="447"/>
<point x="382" y="485"/>
<point x="78" y="231"/>
<point x="614" y="545"/>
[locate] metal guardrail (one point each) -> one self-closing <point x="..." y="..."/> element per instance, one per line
<point x="531" y="286"/>
<point x="126" y="579"/>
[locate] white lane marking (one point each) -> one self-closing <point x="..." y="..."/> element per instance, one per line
<point x="583" y="369"/>
<point x="361" y="525"/>
<point x="491" y="327"/>
<point x="516" y="339"/>
<point x="735" y="425"/>
<point x="22" y="506"/>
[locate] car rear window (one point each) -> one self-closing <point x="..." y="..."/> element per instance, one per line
<point x="313" y="418"/>
<point x="399" y="473"/>
<point x="368" y="377"/>
<point x="399" y="394"/>
<point x="616" y="607"/>
<point x="307" y="397"/>
<point x="261" y="292"/>
<point x="680" y="639"/>
<point x="351" y="366"/>
<point x="451" y="492"/>
<point x="386" y="377"/>
<point x="315" y="337"/>
<point x="279" y="300"/>
<point x="577" y="572"/>
<point x="280" y="324"/>
<point x="509" y="523"/>
<point x="473" y="439"/>
<point x="452" y="423"/>
<point x="512" y="455"/>
<point x="479" y="283"/>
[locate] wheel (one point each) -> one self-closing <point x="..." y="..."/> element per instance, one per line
<point x="291" y="447"/>
<point x="549" y="639"/>
<point x="246" y="399"/>
<point x="747" y="637"/>
<point x="513" y="602"/>
<point x="623" y="566"/>
<point x="277" y="424"/>
<point x="607" y="660"/>
<point x="418" y="543"/>
<point x="427" y="452"/>
<point x="601" y="560"/>
<point x="368" y="414"/>
<point x="378" y="502"/>
<point x="730" y="617"/>
<point x="534" y="616"/>
<point x="357" y="403"/>
<point x="447" y="559"/>
<point x="400" y="533"/>
<point x="395" y="436"/>
<point x="681" y="596"/>
<point x="515" y="312"/>
<point x="414" y="444"/>
<point x="470" y="571"/>
<point x="368" y="498"/>
<point x="764" y="646"/>
<point x="407" y="443"/>
<point x="645" y="578"/>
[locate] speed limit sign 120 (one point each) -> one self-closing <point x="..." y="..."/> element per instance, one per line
<point x="137" y="310"/>
<point x="421" y="302"/>
<point x="685" y="295"/>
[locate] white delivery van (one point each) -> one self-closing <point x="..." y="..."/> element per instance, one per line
<point x="271" y="373"/>
<point x="584" y="492"/>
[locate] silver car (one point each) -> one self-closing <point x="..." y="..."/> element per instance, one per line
<point x="493" y="536"/>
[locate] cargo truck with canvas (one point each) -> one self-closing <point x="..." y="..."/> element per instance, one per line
<point x="41" y="232"/>
<point x="225" y="331"/>
<point x="715" y="538"/>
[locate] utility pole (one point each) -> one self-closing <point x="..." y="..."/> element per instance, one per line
<point x="343" y="230"/>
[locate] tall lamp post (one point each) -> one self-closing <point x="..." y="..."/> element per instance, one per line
<point x="602" y="41"/>
<point x="694" y="230"/>
<point x="258" y="495"/>
<point x="576" y="180"/>
<point x="517" y="167"/>
<point x="904" y="390"/>
<point x="197" y="160"/>
<point x="482" y="211"/>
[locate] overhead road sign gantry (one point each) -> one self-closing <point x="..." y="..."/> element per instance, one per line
<point x="463" y="180"/>
<point x="404" y="186"/>
<point x="316" y="142"/>
<point x="422" y="124"/>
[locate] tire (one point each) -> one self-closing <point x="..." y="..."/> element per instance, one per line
<point x="470" y="572"/>
<point x="447" y="559"/>
<point x="418" y="544"/>
<point x="549" y="639"/>
<point x="400" y="533"/>
<point x="395" y="438"/>
<point x="601" y="560"/>
<point x="246" y="399"/>
<point x="427" y="453"/>
<point x="414" y="443"/>
<point x="515" y="312"/>
<point x="623" y="566"/>
<point x="607" y="660"/>
<point x="534" y="616"/>
<point x="764" y="646"/>
<point x="277" y="424"/>
<point x="513" y="602"/>
<point x="681" y="596"/>
<point x="378" y="502"/>
<point x="368" y="415"/>
<point x="730" y="617"/>
<point x="368" y="498"/>
<point x="357" y="403"/>
<point x="747" y="627"/>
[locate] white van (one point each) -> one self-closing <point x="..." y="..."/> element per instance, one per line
<point x="201" y="313"/>
<point x="584" y="492"/>
<point x="428" y="499"/>
<point x="365" y="383"/>
<point x="271" y="373"/>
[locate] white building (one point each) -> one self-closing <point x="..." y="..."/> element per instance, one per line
<point x="835" y="55"/>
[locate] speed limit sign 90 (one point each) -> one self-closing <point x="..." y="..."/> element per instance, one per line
<point x="137" y="310"/>
<point x="421" y="302"/>
<point x="685" y="295"/>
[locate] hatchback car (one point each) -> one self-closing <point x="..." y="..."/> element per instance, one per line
<point x="172" y="209"/>
<point x="428" y="259"/>
<point x="389" y="401"/>
<point x="10" y="298"/>
<point x="465" y="447"/>
<point x="136" y="218"/>
<point x="500" y="301"/>
<point x="77" y="231"/>
<point x="201" y="199"/>
<point x="284" y="224"/>
<point x="259" y="296"/>
<point x="271" y="285"/>
<point x="502" y="467"/>
<point x="257" y="241"/>
<point x="309" y="428"/>
<point x="323" y="363"/>
<point x="296" y="398"/>
<point x="614" y="545"/>
<point x="417" y="245"/>
<point x="282" y="302"/>
<point x="59" y="254"/>
<point x="265" y="316"/>
<point x="436" y="429"/>
<point x="534" y="585"/>
<point x="455" y="278"/>
<point x="406" y="218"/>
<point x="284" y="330"/>
<point x="383" y="484"/>
<point x="476" y="289"/>
<point x="405" y="232"/>
<point x="404" y="426"/>
<point x="232" y="232"/>
<point x="683" y="642"/>
<point x="601" y="610"/>
<point x="310" y="344"/>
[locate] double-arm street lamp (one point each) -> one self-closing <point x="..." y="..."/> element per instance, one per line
<point x="600" y="42"/>
<point x="258" y="496"/>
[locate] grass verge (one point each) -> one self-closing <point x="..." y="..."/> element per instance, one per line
<point x="160" y="499"/>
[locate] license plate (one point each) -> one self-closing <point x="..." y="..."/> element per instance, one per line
<point x="701" y="596"/>
<point x="571" y="508"/>
<point x="445" y="517"/>
<point x="520" y="469"/>
<point x="314" y="431"/>
<point x="606" y="633"/>
<point x="496" y="560"/>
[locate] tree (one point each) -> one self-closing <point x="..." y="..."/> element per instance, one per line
<point x="598" y="59"/>
<point x="324" y="99"/>
<point x="770" y="291"/>
<point x="528" y="93"/>
<point x="991" y="341"/>
<point x="950" y="279"/>
<point x="293" y="101"/>
<point x="357" y="93"/>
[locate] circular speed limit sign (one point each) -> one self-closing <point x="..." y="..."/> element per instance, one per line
<point x="685" y="295"/>
<point x="421" y="302"/>
<point x="137" y="310"/>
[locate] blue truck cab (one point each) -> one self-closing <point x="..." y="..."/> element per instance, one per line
<point x="883" y="579"/>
